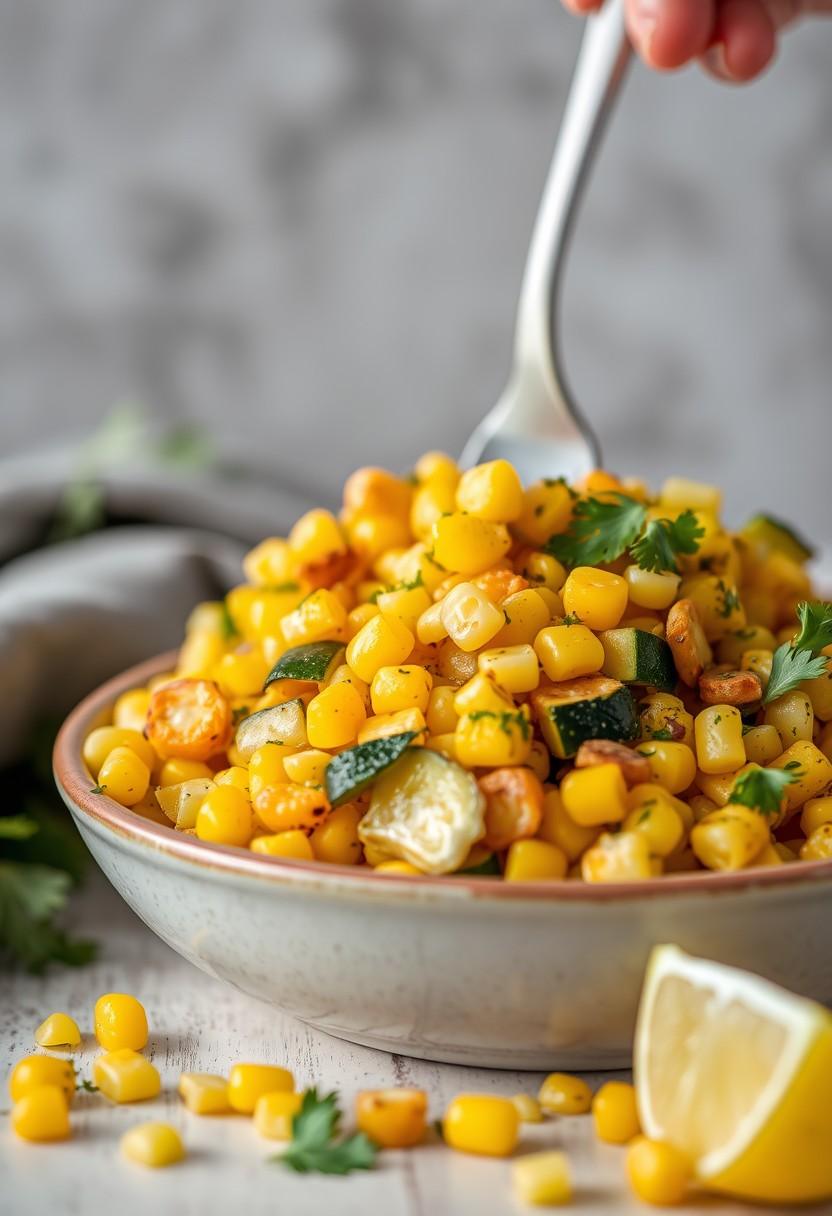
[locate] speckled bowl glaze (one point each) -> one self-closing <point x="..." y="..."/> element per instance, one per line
<point x="472" y="971"/>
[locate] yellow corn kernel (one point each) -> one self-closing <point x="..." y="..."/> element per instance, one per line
<point x="544" y="570"/>
<point x="547" y="509"/>
<point x="321" y="617"/>
<point x="125" y="1076"/>
<point x="120" y="1021"/>
<point x="307" y="767"/>
<point x="382" y="642"/>
<point x="819" y="691"/>
<point x="542" y="1179"/>
<point x="293" y="843"/>
<point x="819" y="845"/>
<point x="430" y="503"/>
<point x="274" y="1112"/>
<point x="204" y="1093"/>
<point x="441" y="717"/>
<point x="718" y="604"/>
<point x="269" y="563"/>
<point x="596" y="597"/>
<point x="241" y="675"/>
<point x="481" y="693"/>
<point x="595" y="795"/>
<point x="442" y="743"/>
<point x="124" y="777"/>
<point x="657" y="1172"/>
<point x="559" y="828"/>
<point x="174" y="772"/>
<point x="199" y="654"/>
<point x="615" y="1113"/>
<point x="42" y="1115"/>
<point x="268" y="607"/>
<point x="429" y="627"/>
<point x="792" y="716"/>
<point x="701" y="806"/>
<point x="567" y="651"/>
<point x="335" y="716"/>
<point x="181" y="803"/>
<point x="815" y="812"/>
<point x="266" y="767"/>
<point x="563" y="1094"/>
<point x="539" y="760"/>
<point x="720" y="747"/>
<point x="375" y="491"/>
<point x="811" y="776"/>
<point x="534" y="861"/>
<point x="733" y="646"/>
<point x="526" y="613"/>
<point x="371" y="535"/>
<point x="719" y="786"/>
<point x="155" y="1145"/>
<point x="336" y="839"/>
<point x="34" y="1072"/>
<point x="248" y="1082"/>
<point x="358" y="618"/>
<point x="406" y="605"/>
<point x="383" y="725"/>
<point x="661" y="712"/>
<point x="481" y="1123"/>
<point x="514" y="668"/>
<point x="624" y="857"/>
<point x="762" y="745"/>
<point x="469" y="617"/>
<point x="130" y="709"/>
<point x="490" y="740"/>
<point x="491" y="491"/>
<point x="454" y="665"/>
<point x="59" y="1032"/>
<point x="730" y="838"/>
<point x="225" y="817"/>
<point x="681" y="494"/>
<point x="467" y="545"/>
<point x="396" y="867"/>
<point x="315" y="537"/>
<point x="436" y="467"/>
<point x="528" y="1108"/>
<point x="395" y="688"/>
<point x="344" y="675"/>
<point x="659" y="821"/>
<point x="392" y="1118"/>
<point x="672" y="765"/>
<point x="650" y="590"/>
<point x="760" y="663"/>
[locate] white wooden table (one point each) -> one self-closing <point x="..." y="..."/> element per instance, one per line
<point x="199" y="1024"/>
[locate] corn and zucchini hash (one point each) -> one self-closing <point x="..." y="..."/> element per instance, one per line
<point x="460" y="675"/>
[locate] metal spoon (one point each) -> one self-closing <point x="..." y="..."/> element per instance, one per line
<point x="536" y="424"/>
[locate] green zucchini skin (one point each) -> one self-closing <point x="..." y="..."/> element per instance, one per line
<point x="309" y="663"/>
<point x="350" y="772"/>
<point x="775" y="534"/>
<point x="593" y="708"/>
<point x="635" y="656"/>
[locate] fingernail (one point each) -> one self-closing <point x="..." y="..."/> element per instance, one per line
<point x="643" y="22"/>
<point x="714" y="59"/>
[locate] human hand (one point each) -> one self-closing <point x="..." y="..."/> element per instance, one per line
<point x="734" y="39"/>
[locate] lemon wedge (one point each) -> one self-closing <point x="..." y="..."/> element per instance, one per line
<point x="737" y="1074"/>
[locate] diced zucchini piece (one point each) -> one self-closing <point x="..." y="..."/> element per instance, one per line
<point x="769" y="533"/>
<point x="310" y="663"/>
<point x="484" y="869"/>
<point x="351" y="771"/>
<point x="635" y="656"/>
<point x="181" y="802"/>
<point x="427" y="810"/>
<point x="284" y="724"/>
<point x="594" y="707"/>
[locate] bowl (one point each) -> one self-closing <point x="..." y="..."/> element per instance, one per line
<point x="465" y="970"/>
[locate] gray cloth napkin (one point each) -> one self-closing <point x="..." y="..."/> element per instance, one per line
<point x="76" y="612"/>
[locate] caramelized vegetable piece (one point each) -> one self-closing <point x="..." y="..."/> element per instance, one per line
<point x="691" y="650"/>
<point x="189" y="718"/>
<point x="730" y="688"/>
<point x="634" y="768"/>
<point x="513" y="805"/>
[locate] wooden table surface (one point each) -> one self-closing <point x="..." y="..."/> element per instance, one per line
<point x="200" y="1024"/>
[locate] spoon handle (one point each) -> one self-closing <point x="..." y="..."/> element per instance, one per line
<point x="602" y="62"/>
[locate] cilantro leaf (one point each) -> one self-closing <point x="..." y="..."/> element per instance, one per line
<point x="762" y="789"/>
<point x="664" y="539"/>
<point x="601" y="530"/>
<point x="815" y="626"/>
<point x="789" y="668"/>
<point x="313" y="1148"/>
<point x="30" y="896"/>
<point x="17" y="827"/>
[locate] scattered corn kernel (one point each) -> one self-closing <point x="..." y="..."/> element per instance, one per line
<point x="123" y="1075"/>
<point x="615" y="1113"/>
<point x="204" y="1093"/>
<point x="59" y="1032"/>
<point x="542" y="1179"/>
<point x="247" y="1082"/>
<point x="481" y="1123"/>
<point x="42" y="1114"/>
<point x="563" y="1094"/>
<point x="392" y="1118"/>
<point x="153" y="1144"/>
<point x="274" y="1112"/>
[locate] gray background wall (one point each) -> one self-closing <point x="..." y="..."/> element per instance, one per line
<point x="302" y="223"/>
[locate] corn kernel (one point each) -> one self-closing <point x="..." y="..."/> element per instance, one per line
<point x="563" y="1094"/>
<point x="534" y="861"/>
<point x="430" y="503"/>
<point x="441" y="717"/>
<point x="248" y="1082"/>
<point x="792" y="716"/>
<point x="395" y="688"/>
<point x="547" y="510"/>
<point x="335" y="716"/>
<point x="559" y="828"/>
<point x="762" y="745"/>
<point x="615" y="1113"/>
<point x="719" y="739"/>
<point x="595" y="795"/>
<point x="284" y="807"/>
<point x="58" y="1032"/>
<point x="225" y="817"/>
<point x="315" y="537"/>
<point x="336" y="840"/>
<point x="469" y="617"/>
<point x="436" y="467"/>
<point x="372" y="535"/>
<point x="596" y="597"/>
<point x="650" y="590"/>
<point x="514" y="668"/>
<point x="382" y="642"/>
<point x="41" y="1115"/>
<point x="657" y="1172"/>
<point x="294" y="844"/>
<point x="155" y="1145"/>
<point x="490" y="740"/>
<point x="274" y="1113"/>
<point x="204" y="1093"/>
<point x="100" y="742"/>
<point x="120" y="1021"/>
<point x="624" y="857"/>
<point x="383" y="725"/>
<point x="672" y="765"/>
<point x="815" y="812"/>
<point x="481" y="1123"/>
<point x="392" y="1118"/>
<point x="467" y="545"/>
<point x="528" y="1108"/>
<point x="34" y="1072"/>
<point x="269" y="563"/>
<point x="396" y="867"/>
<point x="130" y="709"/>
<point x="321" y="617"/>
<point x="491" y="491"/>
<point x="542" y="1179"/>
<point x="174" y="772"/>
<point x="681" y="494"/>
<point x="125" y="1076"/>
<point x="376" y="492"/>
<point x="656" y="816"/>
<point x="819" y="845"/>
<point x="729" y="838"/>
<point x="481" y="694"/>
<point x="567" y="651"/>
<point x="124" y="777"/>
<point x="811" y="772"/>
<point x="405" y="604"/>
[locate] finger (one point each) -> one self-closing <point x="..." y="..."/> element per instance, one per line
<point x="668" y="33"/>
<point x="745" y="41"/>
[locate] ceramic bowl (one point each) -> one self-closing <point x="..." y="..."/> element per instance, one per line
<point x="471" y="971"/>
